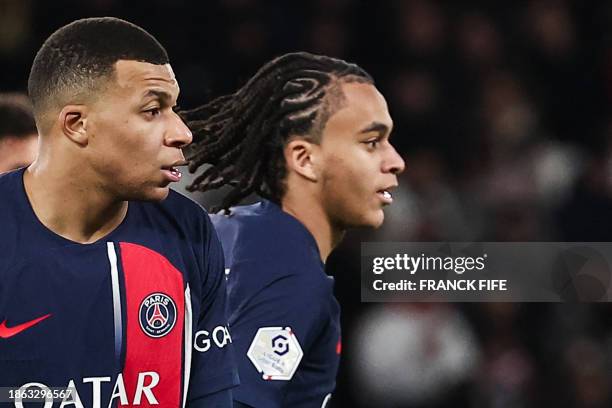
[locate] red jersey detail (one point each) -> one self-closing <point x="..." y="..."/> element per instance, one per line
<point x="147" y="272"/>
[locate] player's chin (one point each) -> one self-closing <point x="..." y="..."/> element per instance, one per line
<point x="159" y="193"/>
<point x="371" y="219"/>
<point x="376" y="219"/>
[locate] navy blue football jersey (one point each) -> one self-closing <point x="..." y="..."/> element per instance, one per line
<point x="138" y="318"/>
<point x="284" y="318"/>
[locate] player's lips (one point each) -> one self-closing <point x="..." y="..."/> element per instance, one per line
<point x="172" y="173"/>
<point x="385" y="194"/>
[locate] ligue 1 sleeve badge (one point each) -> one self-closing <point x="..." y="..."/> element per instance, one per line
<point x="157" y="315"/>
<point x="275" y="352"/>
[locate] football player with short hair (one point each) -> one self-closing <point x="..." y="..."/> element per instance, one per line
<point x="309" y="134"/>
<point x="110" y="284"/>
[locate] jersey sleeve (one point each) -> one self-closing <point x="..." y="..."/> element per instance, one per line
<point x="213" y="366"/>
<point x="272" y="328"/>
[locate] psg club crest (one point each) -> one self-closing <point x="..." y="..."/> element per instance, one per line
<point x="157" y="315"/>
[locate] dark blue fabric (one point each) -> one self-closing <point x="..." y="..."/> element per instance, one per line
<point x="276" y="279"/>
<point x="43" y="273"/>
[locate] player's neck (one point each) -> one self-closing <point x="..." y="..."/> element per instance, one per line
<point x="309" y="212"/>
<point x="69" y="207"/>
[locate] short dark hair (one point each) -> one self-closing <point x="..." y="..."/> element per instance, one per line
<point x="242" y="135"/>
<point x="73" y="59"/>
<point x="16" y="117"/>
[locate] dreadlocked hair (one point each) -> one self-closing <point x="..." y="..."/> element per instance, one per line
<point x="242" y="135"/>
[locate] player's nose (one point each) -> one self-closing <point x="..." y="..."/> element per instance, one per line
<point x="393" y="162"/>
<point x="178" y="134"/>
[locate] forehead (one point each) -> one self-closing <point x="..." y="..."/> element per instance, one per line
<point x="363" y="104"/>
<point x="137" y="76"/>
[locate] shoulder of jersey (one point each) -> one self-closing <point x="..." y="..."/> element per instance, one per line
<point x="177" y="199"/>
<point x="182" y="207"/>
<point x="8" y="184"/>
<point x="265" y="236"/>
<point x="257" y="225"/>
<point x="10" y="216"/>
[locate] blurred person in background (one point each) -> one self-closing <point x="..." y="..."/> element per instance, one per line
<point x="589" y="364"/>
<point x="413" y="355"/>
<point x="18" y="134"/>
<point x="310" y="135"/>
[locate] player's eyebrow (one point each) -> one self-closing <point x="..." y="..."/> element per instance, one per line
<point x="378" y="127"/>
<point x="163" y="96"/>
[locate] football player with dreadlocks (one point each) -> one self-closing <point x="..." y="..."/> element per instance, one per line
<point x="310" y="135"/>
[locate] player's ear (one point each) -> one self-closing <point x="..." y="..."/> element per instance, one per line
<point x="299" y="158"/>
<point x="73" y="123"/>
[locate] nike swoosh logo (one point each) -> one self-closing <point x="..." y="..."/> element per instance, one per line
<point x="6" y="332"/>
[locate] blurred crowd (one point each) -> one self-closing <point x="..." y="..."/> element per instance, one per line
<point x="503" y="115"/>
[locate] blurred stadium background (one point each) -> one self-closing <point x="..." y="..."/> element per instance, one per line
<point x="502" y="112"/>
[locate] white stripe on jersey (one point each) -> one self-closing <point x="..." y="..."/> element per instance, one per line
<point x="112" y="258"/>
<point x="188" y="351"/>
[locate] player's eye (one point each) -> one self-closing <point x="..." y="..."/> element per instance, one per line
<point x="373" y="143"/>
<point x="153" y="112"/>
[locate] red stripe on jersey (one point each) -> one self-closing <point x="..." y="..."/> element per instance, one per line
<point x="147" y="272"/>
